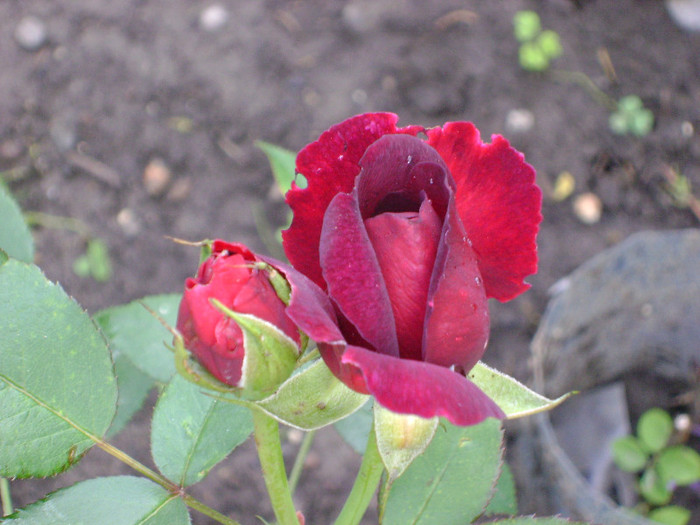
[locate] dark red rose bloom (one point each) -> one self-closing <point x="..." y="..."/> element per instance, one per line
<point x="230" y="276"/>
<point x="409" y="237"/>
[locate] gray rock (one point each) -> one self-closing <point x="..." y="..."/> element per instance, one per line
<point x="633" y="307"/>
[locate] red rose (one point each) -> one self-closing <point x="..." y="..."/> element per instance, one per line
<point x="232" y="276"/>
<point x="409" y="237"/>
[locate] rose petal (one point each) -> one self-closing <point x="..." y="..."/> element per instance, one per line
<point x="330" y="165"/>
<point x="396" y="166"/>
<point x="457" y="317"/>
<point x="309" y="307"/>
<point x="423" y="389"/>
<point x="405" y="245"/>
<point x="354" y="279"/>
<point x="498" y="203"/>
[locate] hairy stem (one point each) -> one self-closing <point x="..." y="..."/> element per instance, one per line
<point x="267" y="440"/>
<point x="5" y="497"/>
<point x="299" y="460"/>
<point x="365" y="484"/>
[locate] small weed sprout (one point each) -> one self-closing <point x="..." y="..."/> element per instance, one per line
<point x="537" y="47"/>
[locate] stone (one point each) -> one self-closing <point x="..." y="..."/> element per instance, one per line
<point x="31" y="33"/>
<point x="632" y="308"/>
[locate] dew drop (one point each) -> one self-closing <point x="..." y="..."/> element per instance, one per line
<point x="431" y="180"/>
<point x="409" y="159"/>
<point x="477" y="280"/>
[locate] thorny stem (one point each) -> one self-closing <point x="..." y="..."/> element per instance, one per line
<point x="365" y="485"/>
<point x="267" y="441"/>
<point x="299" y="460"/>
<point x="5" y="497"/>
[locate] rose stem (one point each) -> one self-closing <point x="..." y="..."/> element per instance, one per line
<point x="5" y="497"/>
<point x="142" y="469"/>
<point x="267" y="440"/>
<point x="299" y="460"/>
<point x="365" y="484"/>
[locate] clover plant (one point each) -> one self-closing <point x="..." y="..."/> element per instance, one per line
<point x="661" y="463"/>
<point x="537" y="47"/>
<point x="631" y="117"/>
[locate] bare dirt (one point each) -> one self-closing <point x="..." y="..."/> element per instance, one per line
<point x="115" y="85"/>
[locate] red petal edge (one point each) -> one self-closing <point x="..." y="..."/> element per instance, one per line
<point x="422" y="389"/>
<point x="498" y="202"/>
<point x="330" y="165"/>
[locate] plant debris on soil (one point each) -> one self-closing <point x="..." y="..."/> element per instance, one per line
<point x="137" y="120"/>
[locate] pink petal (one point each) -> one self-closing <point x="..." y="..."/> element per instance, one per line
<point x="330" y="165"/>
<point x="353" y="275"/>
<point x="422" y="389"/>
<point x="457" y="317"/>
<point x="405" y="245"/>
<point x="498" y="202"/>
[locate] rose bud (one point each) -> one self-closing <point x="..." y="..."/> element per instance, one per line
<point x="409" y="237"/>
<point x="233" y="319"/>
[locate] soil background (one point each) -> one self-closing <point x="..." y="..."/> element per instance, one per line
<point x="116" y="85"/>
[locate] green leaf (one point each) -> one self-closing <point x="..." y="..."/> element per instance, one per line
<point x="98" y="257"/>
<point x="654" y="429"/>
<point x="283" y="164"/>
<point x="117" y="500"/>
<point x="312" y="398"/>
<point x="526" y="25"/>
<point x="134" y="386"/>
<point x="641" y="122"/>
<point x="679" y="465"/>
<point x="15" y="237"/>
<point x="549" y="43"/>
<point x="503" y="500"/>
<point x="451" y="482"/>
<point x="653" y="489"/>
<point x="532" y="58"/>
<point x="355" y="428"/>
<point x="192" y="431"/>
<point x="629" y="454"/>
<point x="401" y="438"/>
<point x="56" y="377"/>
<point x="514" y="398"/>
<point x="670" y="515"/>
<point x="135" y="332"/>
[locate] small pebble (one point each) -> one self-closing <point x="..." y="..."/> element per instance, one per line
<point x="156" y="177"/>
<point x="588" y="208"/>
<point x="687" y="129"/>
<point x="685" y="13"/>
<point x="213" y="17"/>
<point x="519" y="120"/>
<point x="11" y="149"/>
<point x="180" y="190"/>
<point x="359" y="97"/>
<point x="295" y="436"/>
<point x="127" y="221"/>
<point x="30" y="33"/>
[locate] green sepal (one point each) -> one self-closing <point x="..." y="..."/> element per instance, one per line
<point x="190" y="369"/>
<point x="514" y="398"/>
<point x="270" y="354"/>
<point x="312" y="398"/>
<point x="401" y="438"/>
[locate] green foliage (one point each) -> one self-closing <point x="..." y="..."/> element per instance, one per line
<point x="192" y="431"/>
<point x="312" y="398"/>
<point x="355" y="428"/>
<point x="537" y="47"/>
<point x="514" y="398"/>
<point x="631" y="117"/>
<point x="504" y="500"/>
<point x="435" y="488"/>
<point x="663" y="466"/>
<point x="117" y="500"/>
<point x="95" y="262"/>
<point x="137" y="333"/>
<point x="52" y="360"/>
<point x="15" y="237"/>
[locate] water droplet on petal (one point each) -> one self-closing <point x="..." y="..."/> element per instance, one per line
<point x="431" y="180"/>
<point x="477" y="280"/>
<point x="409" y="159"/>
